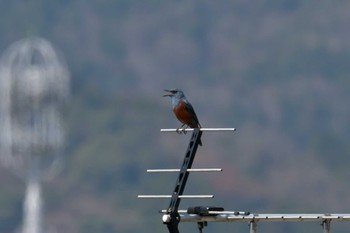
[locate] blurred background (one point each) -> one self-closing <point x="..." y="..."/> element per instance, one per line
<point x="277" y="70"/>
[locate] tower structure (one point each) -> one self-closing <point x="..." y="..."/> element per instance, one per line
<point x="34" y="86"/>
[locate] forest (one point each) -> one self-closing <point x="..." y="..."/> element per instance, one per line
<point x="276" y="70"/>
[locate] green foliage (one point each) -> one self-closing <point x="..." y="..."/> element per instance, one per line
<point x="275" y="70"/>
<point x="91" y="224"/>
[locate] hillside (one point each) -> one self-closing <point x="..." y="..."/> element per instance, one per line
<point x="275" y="70"/>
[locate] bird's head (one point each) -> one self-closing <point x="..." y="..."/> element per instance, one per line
<point x="174" y="93"/>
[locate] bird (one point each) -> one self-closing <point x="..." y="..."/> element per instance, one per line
<point x="183" y="110"/>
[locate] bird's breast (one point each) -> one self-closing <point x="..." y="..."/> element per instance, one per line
<point x="182" y="113"/>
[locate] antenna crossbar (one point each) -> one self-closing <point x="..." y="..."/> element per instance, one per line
<point x="169" y="196"/>
<point x="189" y="170"/>
<point x="242" y="213"/>
<point x="200" y="129"/>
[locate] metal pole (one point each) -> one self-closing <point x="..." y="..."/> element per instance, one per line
<point x="253" y="227"/>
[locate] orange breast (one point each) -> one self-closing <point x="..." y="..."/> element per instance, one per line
<point x="183" y="114"/>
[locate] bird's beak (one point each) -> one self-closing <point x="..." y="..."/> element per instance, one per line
<point x="170" y="94"/>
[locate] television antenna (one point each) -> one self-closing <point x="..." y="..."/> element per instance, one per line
<point x="201" y="215"/>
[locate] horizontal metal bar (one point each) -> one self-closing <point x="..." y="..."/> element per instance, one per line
<point x="189" y="170"/>
<point x="328" y="216"/>
<point x="243" y="213"/>
<point x="179" y="211"/>
<point x="153" y="196"/>
<point x="169" y="196"/>
<point x="265" y="217"/>
<point x="201" y="129"/>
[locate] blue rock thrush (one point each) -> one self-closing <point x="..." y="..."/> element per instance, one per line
<point x="183" y="110"/>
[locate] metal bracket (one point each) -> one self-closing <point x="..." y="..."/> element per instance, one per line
<point x="201" y="225"/>
<point x="253" y="226"/>
<point x="326" y="225"/>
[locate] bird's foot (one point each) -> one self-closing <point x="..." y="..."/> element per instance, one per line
<point x="179" y="130"/>
<point x="183" y="128"/>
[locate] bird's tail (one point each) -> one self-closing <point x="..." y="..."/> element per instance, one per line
<point x="200" y="141"/>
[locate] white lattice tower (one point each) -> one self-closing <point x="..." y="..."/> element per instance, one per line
<point x="34" y="85"/>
